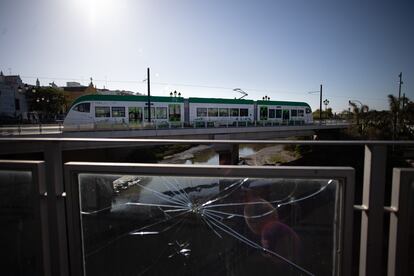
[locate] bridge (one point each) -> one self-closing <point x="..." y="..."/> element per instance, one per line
<point x="180" y="131"/>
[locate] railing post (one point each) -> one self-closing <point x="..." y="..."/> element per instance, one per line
<point x="56" y="208"/>
<point x="370" y="261"/>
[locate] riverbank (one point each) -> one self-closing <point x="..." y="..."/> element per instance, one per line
<point x="270" y="156"/>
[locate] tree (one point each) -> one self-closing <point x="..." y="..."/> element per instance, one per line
<point x="48" y="102"/>
<point x="359" y="113"/>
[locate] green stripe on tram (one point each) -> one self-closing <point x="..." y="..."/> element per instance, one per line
<point x="282" y="103"/>
<point x="219" y="101"/>
<point x="127" y="98"/>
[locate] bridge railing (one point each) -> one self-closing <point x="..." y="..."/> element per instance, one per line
<point x="13" y="130"/>
<point x="69" y="218"/>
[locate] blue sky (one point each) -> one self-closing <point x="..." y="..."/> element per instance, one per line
<point x="282" y="49"/>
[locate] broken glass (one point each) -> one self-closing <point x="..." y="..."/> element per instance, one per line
<point x="168" y="225"/>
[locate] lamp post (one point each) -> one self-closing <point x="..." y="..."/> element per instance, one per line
<point x="266" y="98"/>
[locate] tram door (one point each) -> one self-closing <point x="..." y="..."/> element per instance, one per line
<point x="263" y="113"/>
<point x="135" y="115"/>
<point x="286" y="115"/>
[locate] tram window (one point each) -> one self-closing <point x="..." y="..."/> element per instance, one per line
<point x="308" y="110"/>
<point x="278" y="113"/>
<point x="83" y="107"/>
<point x="234" y="112"/>
<point x="272" y="113"/>
<point x="146" y="113"/>
<point x="201" y="112"/>
<point x="102" y="111"/>
<point x="300" y="113"/>
<point x="161" y="112"/>
<point x="224" y="112"/>
<point x="118" y="111"/>
<point x="174" y="112"/>
<point x="294" y="112"/>
<point x="244" y="112"/>
<point x="213" y="112"/>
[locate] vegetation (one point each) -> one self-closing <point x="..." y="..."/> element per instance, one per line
<point x="396" y="123"/>
<point x="47" y="102"/>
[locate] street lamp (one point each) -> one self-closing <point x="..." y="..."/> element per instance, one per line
<point x="266" y="98"/>
<point x="326" y="102"/>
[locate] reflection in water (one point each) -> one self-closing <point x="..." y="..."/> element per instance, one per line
<point x="200" y="226"/>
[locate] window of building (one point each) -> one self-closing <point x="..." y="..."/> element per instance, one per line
<point x="17" y="104"/>
<point x="294" y="112"/>
<point x="161" y="112"/>
<point x="278" y="113"/>
<point x="272" y="113"/>
<point x="102" y="111"/>
<point x="300" y="113"/>
<point x="224" y="112"/>
<point x="308" y="110"/>
<point x="244" y="112"/>
<point x="234" y="112"/>
<point x="83" y="107"/>
<point x="213" y="112"/>
<point x="201" y="112"/>
<point x="118" y="111"/>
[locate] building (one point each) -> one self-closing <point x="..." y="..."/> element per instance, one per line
<point x="73" y="90"/>
<point x="13" y="103"/>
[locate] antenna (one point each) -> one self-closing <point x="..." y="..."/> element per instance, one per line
<point x="241" y="92"/>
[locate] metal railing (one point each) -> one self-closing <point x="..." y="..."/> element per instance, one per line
<point x="58" y="196"/>
<point x="33" y="129"/>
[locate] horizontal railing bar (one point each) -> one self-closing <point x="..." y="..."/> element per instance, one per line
<point x="206" y="141"/>
<point x="390" y="209"/>
<point x="361" y="208"/>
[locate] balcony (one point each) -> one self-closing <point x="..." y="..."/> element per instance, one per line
<point x="65" y="217"/>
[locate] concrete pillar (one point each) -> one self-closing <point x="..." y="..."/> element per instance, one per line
<point x="228" y="154"/>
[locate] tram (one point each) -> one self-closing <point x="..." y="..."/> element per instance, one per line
<point x="94" y="111"/>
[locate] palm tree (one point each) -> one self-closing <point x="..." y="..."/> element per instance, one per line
<point x="359" y="113"/>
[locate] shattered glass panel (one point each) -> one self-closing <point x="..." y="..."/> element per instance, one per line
<point x="19" y="223"/>
<point x="165" y="225"/>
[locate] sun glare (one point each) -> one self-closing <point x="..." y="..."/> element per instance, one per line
<point x="98" y="11"/>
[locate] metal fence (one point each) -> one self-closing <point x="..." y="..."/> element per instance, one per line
<point x="55" y="217"/>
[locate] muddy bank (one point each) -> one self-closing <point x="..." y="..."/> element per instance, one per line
<point x="272" y="155"/>
<point x="181" y="157"/>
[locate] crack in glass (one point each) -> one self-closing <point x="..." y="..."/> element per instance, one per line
<point x="222" y="206"/>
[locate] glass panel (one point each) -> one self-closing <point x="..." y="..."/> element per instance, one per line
<point x="271" y="113"/>
<point x="102" y="111"/>
<point x="213" y="112"/>
<point x="263" y="113"/>
<point x="278" y="113"/>
<point x="118" y="111"/>
<point x="135" y="115"/>
<point x="244" y="112"/>
<point x="224" y="112"/>
<point x="294" y="112"/>
<point x="234" y="112"/>
<point x="19" y="248"/>
<point x="83" y="107"/>
<point x="162" y="225"/>
<point x="201" y="112"/>
<point x="174" y="112"/>
<point x="161" y="113"/>
<point x="300" y="113"/>
<point x="146" y="112"/>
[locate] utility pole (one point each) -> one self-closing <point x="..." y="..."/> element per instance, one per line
<point x="320" y="106"/>
<point x="397" y="121"/>
<point x="149" y="95"/>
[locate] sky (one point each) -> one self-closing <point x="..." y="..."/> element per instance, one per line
<point x="281" y="49"/>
